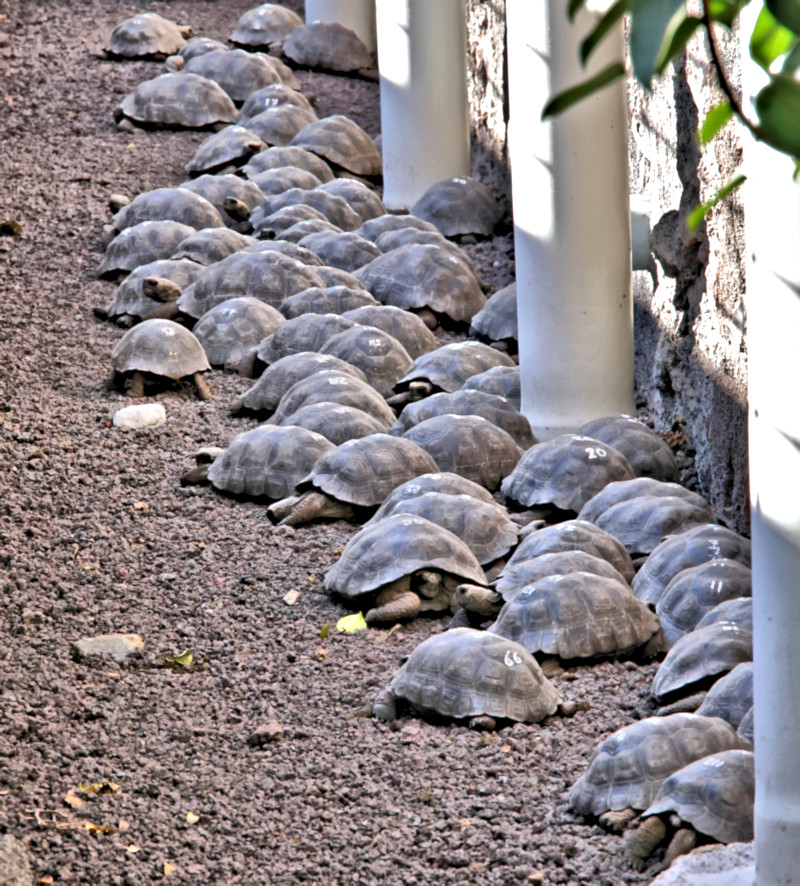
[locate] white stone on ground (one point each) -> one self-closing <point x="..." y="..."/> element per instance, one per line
<point x="140" y="415"/>
<point x="119" y="646"/>
<point x="732" y="865"/>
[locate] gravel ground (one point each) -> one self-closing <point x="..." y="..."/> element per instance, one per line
<point x="97" y="536"/>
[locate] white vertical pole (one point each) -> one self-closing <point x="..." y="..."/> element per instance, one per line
<point x="772" y="230"/>
<point x="424" y="112"/>
<point x="358" y="15"/>
<point x="572" y="240"/>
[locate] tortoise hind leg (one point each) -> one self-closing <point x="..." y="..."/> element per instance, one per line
<point x="203" y="390"/>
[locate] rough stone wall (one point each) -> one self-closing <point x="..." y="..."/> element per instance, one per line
<point x="691" y="360"/>
<point x="691" y="366"/>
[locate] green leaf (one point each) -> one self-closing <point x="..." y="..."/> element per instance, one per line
<point x="574" y="6"/>
<point x="349" y="624"/>
<point x="725" y="11"/>
<point x="606" y="23"/>
<point x="769" y="39"/>
<point x="792" y="61"/>
<point x="697" y="215"/>
<point x="324" y="630"/>
<point x="778" y="107"/>
<point x="677" y="37"/>
<point x="184" y="659"/>
<point x="652" y="24"/>
<point x="563" y="100"/>
<point x="716" y="118"/>
<point x="787" y="12"/>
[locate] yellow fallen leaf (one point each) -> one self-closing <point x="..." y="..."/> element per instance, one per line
<point x="191" y="818"/>
<point x="184" y="659"/>
<point x="99" y="787"/>
<point x="97" y="828"/>
<point x="72" y="799"/>
<point x="169" y="869"/>
<point x="349" y="624"/>
<point x="324" y="630"/>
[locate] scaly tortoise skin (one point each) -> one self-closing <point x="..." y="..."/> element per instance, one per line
<point x="178" y="101"/>
<point x="267" y="462"/>
<point x="696" y="545"/>
<point x="358" y="475"/>
<point x="147" y="35"/>
<point x="407" y="564"/>
<point x="334" y="386"/>
<point x="264" y="396"/>
<point x="341" y="141"/>
<point x="463" y="673"/>
<point x="565" y="472"/>
<point x="459" y="205"/>
<point x="229" y="331"/>
<point x="627" y="769"/>
<point x="161" y="348"/>
<point x="578" y="615"/>
<point x="712" y="797"/>
<point x="695" y="591"/>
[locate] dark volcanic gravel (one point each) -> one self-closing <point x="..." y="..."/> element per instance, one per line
<point x="97" y="536"/>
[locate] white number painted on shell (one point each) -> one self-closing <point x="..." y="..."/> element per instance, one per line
<point x="512" y="658"/>
<point x="595" y="452"/>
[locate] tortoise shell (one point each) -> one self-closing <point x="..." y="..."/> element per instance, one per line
<point x="397" y="546"/>
<point x="442" y="482"/>
<point x="130" y="298"/>
<point x="335" y="421"/>
<point x="647" y="452"/>
<point x="628" y="768"/>
<point x="178" y="101"/>
<point x="448" y="367"/>
<point x="146" y="35"/>
<point x="575" y="535"/>
<point x="264" y="25"/>
<point x="327" y="300"/>
<point x="695" y="545"/>
<point x="169" y="204"/>
<point x="278" y="126"/>
<point x="424" y="276"/>
<point x="267" y="276"/>
<point x="373" y="228"/>
<point x="267" y="461"/>
<point x="702" y="653"/>
<point x="231" y="146"/>
<point x="341" y="249"/>
<point x="627" y="490"/>
<point x="303" y="229"/>
<point x="341" y="141"/>
<point x="467" y="673"/>
<point x="576" y="615"/>
<point x="695" y="591"/>
<point x="360" y="197"/>
<point x="738" y="611"/>
<point x="229" y="331"/>
<point x="566" y="472"/>
<point x="139" y="244"/>
<point x="501" y="380"/>
<point x="523" y="572"/>
<point x="483" y="526"/>
<point x="335" y="209"/>
<point x="406" y="327"/>
<point x="292" y="250"/>
<point x="731" y="697"/>
<point x="494" y="409"/>
<point x="308" y="332"/>
<point x="271" y="97"/>
<point x="338" y="277"/>
<point x="194" y="46"/>
<point x="218" y="188"/>
<point x="263" y="397"/>
<point x="746" y="728"/>
<point x="405" y="236"/>
<point x="468" y="445"/>
<point x="715" y="795"/>
<point x="497" y="320"/>
<point x="363" y="472"/>
<point x="329" y="46"/>
<point x="159" y="347"/>
<point x="459" y="205"/>
<point x="278" y="156"/>
<point x="211" y="245"/>
<point x="377" y="354"/>
<point x="237" y="71"/>
<point x="276" y="181"/>
<point x="334" y="386"/>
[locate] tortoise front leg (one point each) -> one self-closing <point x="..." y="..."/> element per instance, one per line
<point x="394" y="602"/>
<point x="639" y="844"/>
<point x="203" y="390"/>
<point x="136" y="388"/>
